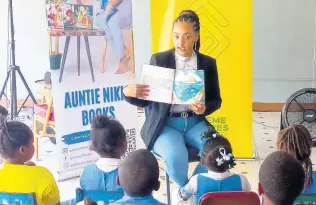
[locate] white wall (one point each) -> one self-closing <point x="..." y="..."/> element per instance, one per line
<point x="142" y="33"/>
<point x="283" y="48"/>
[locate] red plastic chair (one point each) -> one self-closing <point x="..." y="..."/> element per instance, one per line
<point x="230" y="198"/>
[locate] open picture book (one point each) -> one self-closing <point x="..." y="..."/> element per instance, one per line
<point x="173" y="86"/>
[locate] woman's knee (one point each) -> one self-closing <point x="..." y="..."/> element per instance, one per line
<point x="177" y="166"/>
<point x="113" y="23"/>
<point x="177" y="158"/>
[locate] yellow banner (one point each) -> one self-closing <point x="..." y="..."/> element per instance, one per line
<point x="226" y="34"/>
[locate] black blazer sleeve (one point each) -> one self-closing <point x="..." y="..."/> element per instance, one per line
<point x="213" y="98"/>
<point x="139" y="102"/>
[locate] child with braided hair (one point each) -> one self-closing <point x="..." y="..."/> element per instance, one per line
<point x="297" y="141"/>
<point x="216" y="155"/>
<point x="17" y="173"/>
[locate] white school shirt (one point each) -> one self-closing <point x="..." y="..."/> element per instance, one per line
<point x="182" y="63"/>
<point x="108" y="164"/>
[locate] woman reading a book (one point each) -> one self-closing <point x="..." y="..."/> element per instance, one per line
<point x="169" y="128"/>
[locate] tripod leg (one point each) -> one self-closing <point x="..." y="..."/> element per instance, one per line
<point x="5" y="84"/>
<point x="21" y="107"/>
<point x="14" y="106"/>
<point x="27" y="86"/>
<point x="89" y="56"/>
<point x="64" y="58"/>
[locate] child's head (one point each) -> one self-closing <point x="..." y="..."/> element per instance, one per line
<point x="108" y="137"/>
<point x="139" y="174"/>
<point x="16" y="140"/>
<point x="281" y="179"/>
<point x="297" y="141"/>
<point x="89" y="201"/>
<point x="217" y="152"/>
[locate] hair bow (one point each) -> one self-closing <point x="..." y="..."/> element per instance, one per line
<point x="204" y="139"/>
<point x="224" y="157"/>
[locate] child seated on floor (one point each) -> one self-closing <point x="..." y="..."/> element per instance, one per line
<point x="281" y="179"/>
<point x="108" y="139"/>
<point x="297" y="141"/>
<point x="217" y="157"/>
<point x="17" y="174"/>
<point x="139" y="177"/>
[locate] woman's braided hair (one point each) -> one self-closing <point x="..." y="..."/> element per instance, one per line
<point x="192" y="17"/>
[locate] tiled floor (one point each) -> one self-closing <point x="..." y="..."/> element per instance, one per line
<point x="265" y="128"/>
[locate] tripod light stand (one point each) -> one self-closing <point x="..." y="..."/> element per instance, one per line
<point x="13" y="71"/>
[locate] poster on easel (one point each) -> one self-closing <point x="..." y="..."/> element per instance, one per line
<point x="91" y="60"/>
<point x="226" y="35"/>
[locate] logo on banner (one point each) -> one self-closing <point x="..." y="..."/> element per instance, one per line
<point x="215" y="42"/>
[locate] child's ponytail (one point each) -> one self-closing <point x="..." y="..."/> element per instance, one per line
<point x="216" y="152"/>
<point x="4" y="135"/>
<point x="13" y="135"/>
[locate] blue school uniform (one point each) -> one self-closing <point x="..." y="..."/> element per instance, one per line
<point x="148" y="200"/>
<point x="312" y="188"/>
<point x="94" y="179"/>
<point x="201" y="184"/>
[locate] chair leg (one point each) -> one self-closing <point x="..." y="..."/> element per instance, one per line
<point x="36" y="147"/>
<point x="168" y="189"/>
<point x="132" y="52"/>
<point x="104" y="55"/>
<point x="35" y="127"/>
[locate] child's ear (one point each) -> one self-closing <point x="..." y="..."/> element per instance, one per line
<point x="22" y="150"/>
<point x="157" y="187"/>
<point x="118" y="181"/>
<point x="202" y="161"/>
<point x="260" y="190"/>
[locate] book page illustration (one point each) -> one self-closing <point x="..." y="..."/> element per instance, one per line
<point x="188" y="87"/>
<point x="160" y="81"/>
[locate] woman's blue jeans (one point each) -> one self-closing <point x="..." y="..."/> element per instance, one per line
<point x="118" y="19"/>
<point x="171" y="146"/>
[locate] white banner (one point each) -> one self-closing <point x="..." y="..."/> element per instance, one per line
<point x="91" y="61"/>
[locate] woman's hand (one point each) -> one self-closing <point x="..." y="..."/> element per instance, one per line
<point x="198" y="108"/>
<point x="107" y="9"/>
<point x="97" y="7"/>
<point x="136" y="91"/>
